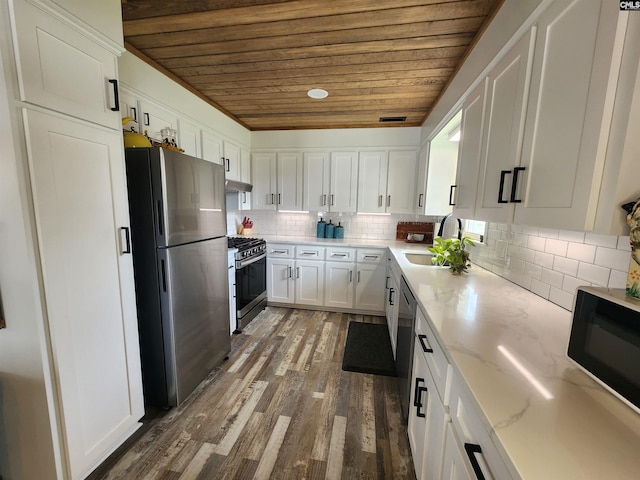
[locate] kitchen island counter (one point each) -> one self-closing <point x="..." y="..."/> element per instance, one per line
<point x="568" y="427"/>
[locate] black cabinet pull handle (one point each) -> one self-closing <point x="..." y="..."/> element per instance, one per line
<point x="388" y="200"/>
<point x="279" y="199"/>
<point x="146" y="119"/>
<point x="416" y="391"/>
<point x="116" y="98"/>
<point x="160" y="220"/>
<point x="514" y="185"/>
<point x="472" y="449"/>
<point x="425" y="349"/>
<point x="420" y="404"/>
<point x="164" y="276"/>
<point x="503" y="174"/>
<point x="451" y="202"/>
<point x="420" y="200"/>
<point x="386" y="283"/>
<point x="391" y="291"/>
<point x="134" y="111"/>
<point x="127" y="240"/>
<point x="324" y="199"/>
<point x="333" y="198"/>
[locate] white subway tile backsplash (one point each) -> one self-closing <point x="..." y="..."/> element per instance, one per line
<point x="540" y="288"/>
<point x="561" y="298"/>
<point x="623" y="243"/>
<point x="581" y="251"/>
<point x="571" y="236"/>
<point x="532" y="270"/>
<point x="556" y="247"/>
<point x="569" y="284"/>
<point x="610" y="241"/>
<point x="617" y="279"/>
<point x="548" y="233"/>
<point x="536" y="243"/>
<point x="594" y="274"/>
<point x="552" y="278"/>
<point x="527" y="230"/>
<point x="612" y="258"/>
<point x="544" y="259"/>
<point x="564" y="265"/>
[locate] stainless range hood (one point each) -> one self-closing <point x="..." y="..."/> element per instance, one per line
<point x="235" y="186"/>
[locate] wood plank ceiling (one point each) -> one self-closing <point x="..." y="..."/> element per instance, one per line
<point x="255" y="60"/>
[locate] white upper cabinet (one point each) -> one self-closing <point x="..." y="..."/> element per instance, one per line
<point x="61" y="69"/>
<point x="212" y="147"/>
<point x="372" y="182"/>
<point x="289" y="183"/>
<point x="344" y="182"/>
<point x="575" y="68"/>
<point x="503" y="128"/>
<point x="189" y="138"/>
<point x="263" y="178"/>
<point x="315" y="181"/>
<point x="153" y="118"/>
<point x="470" y="150"/>
<point x="245" y="165"/>
<point x="401" y="181"/>
<point x="232" y="161"/>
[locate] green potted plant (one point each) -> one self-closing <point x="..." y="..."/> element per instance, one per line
<point x="452" y="252"/>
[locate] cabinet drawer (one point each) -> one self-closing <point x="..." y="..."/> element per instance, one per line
<point x="377" y="255"/>
<point x="341" y="254"/>
<point x="310" y="252"/>
<point x="473" y="432"/>
<point x="48" y="51"/>
<point x="280" y="250"/>
<point x="438" y="364"/>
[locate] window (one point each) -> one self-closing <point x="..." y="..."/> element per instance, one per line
<point x="475" y="229"/>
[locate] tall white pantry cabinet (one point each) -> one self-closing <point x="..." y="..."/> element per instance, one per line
<point x="68" y="100"/>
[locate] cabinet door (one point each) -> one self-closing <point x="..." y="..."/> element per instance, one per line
<point x="245" y="165"/>
<point x="455" y="465"/>
<point x="61" y="69"/>
<point x="344" y="182"/>
<point x="280" y="284"/>
<point x="129" y="107"/>
<point x="372" y="182"/>
<point x="401" y="181"/>
<point x="289" y="184"/>
<point x="391" y="310"/>
<point x="568" y="114"/>
<point x="82" y="219"/>
<point x="504" y="122"/>
<point x="469" y="155"/>
<point x="338" y="284"/>
<point x="263" y="176"/>
<point x="232" y="293"/>
<point x="315" y="181"/>
<point x="421" y="181"/>
<point x="154" y="118"/>
<point x="370" y="283"/>
<point x="309" y="276"/>
<point x="189" y="138"/>
<point x="212" y="147"/>
<point x="232" y="160"/>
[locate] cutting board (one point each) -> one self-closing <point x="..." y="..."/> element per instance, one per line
<point x="403" y="228"/>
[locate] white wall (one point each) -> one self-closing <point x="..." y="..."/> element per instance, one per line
<point x="337" y="138"/>
<point x="26" y="445"/>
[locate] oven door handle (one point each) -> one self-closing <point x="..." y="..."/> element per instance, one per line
<point x="249" y="261"/>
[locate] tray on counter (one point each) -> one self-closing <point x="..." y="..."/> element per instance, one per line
<point x="404" y="228"/>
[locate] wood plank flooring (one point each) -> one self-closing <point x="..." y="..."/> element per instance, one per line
<point x="280" y="408"/>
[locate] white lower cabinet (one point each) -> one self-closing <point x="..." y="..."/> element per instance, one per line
<point x="339" y="271"/>
<point x="455" y="465"/>
<point x="391" y="303"/>
<point x="280" y="285"/>
<point x="295" y="275"/>
<point x="371" y="276"/>
<point x="231" y="261"/>
<point x="82" y="220"/>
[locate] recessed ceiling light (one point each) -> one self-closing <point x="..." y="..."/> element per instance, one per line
<point x="317" y="93"/>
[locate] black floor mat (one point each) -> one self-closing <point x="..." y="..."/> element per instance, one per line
<point x="368" y="349"/>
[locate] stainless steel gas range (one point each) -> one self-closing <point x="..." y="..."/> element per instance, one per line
<point x="251" y="278"/>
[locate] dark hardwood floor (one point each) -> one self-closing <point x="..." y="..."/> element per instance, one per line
<point x="281" y="407"/>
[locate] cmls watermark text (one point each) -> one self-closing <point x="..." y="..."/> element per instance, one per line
<point x="630" y="6"/>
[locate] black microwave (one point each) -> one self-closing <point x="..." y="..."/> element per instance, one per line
<point x="605" y="340"/>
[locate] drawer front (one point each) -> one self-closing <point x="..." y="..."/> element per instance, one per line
<point x="335" y="254"/>
<point x="472" y="431"/>
<point x="436" y="359"/>
<point x="280" y="250"/>
<point x="310" y="252"/>
<point x="372" y="255"/>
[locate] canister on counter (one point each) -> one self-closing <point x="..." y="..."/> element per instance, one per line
<point x="320" y="228"/>
<point x="339" y="231"/>
<point x="329" y="229"/>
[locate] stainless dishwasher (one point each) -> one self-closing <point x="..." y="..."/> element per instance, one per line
<point x="404" y="348"/>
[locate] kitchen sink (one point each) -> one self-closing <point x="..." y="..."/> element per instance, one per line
<point x="420" y="258"/>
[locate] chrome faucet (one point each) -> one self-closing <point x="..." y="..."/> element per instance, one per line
<point x="445" y="218"/>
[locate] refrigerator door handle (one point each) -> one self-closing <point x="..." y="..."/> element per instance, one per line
<point x="160" y="219"/>
<point x="163" y="274"/>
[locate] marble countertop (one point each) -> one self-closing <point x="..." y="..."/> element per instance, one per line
<point x="344" y="242"/>
<point x="574" y="430"/>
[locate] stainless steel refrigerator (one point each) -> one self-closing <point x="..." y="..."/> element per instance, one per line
<point x="178" y="238"/>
